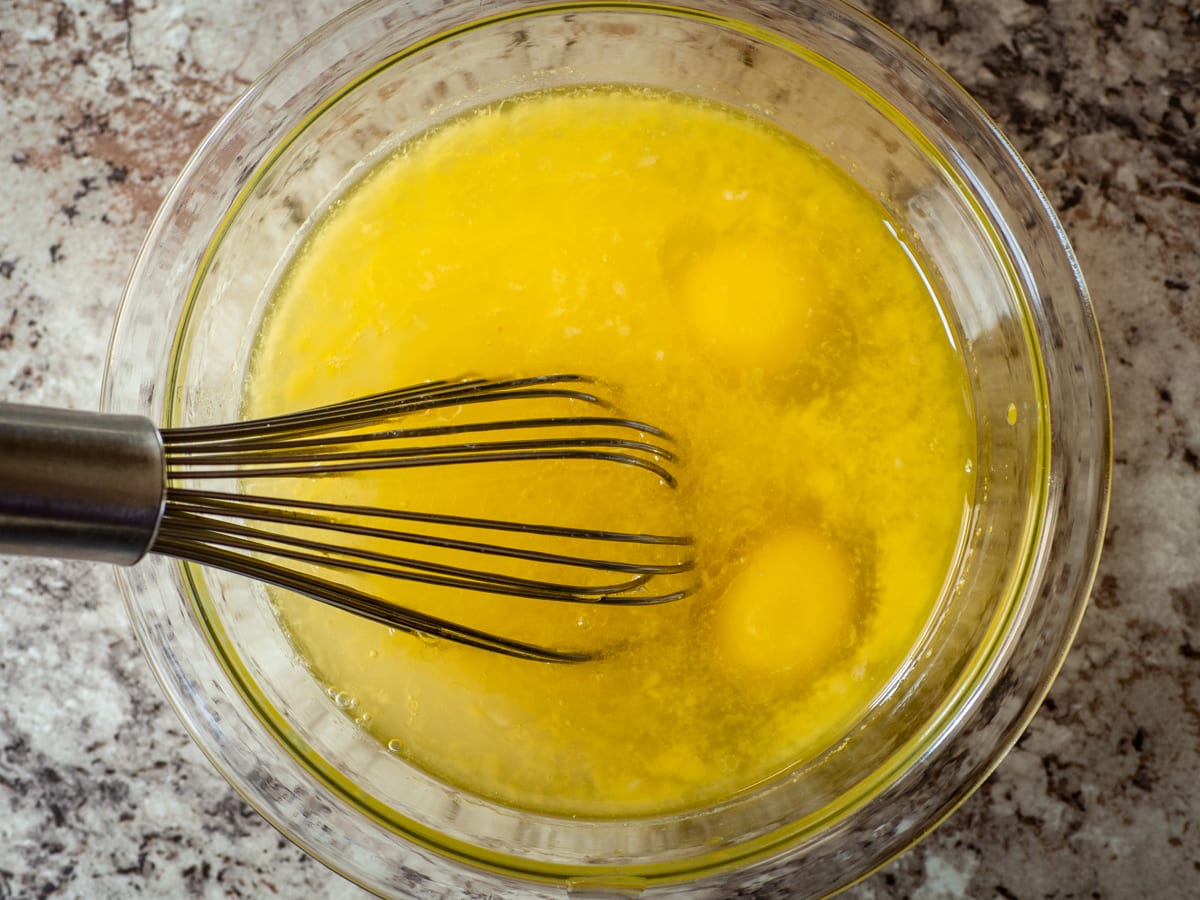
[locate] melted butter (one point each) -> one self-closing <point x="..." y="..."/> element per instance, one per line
<point x="743" y="294"/>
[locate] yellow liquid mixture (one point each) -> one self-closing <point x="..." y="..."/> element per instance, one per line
<point x="741" y="293"/>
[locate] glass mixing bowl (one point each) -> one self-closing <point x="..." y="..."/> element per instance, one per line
<point x="388" y="70"/>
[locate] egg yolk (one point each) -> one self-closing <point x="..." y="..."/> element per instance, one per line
<point x="750" y="303"/>
<point x="792" y="607"/>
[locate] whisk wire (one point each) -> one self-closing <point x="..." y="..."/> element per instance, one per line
<point x="384" y="612"/>
<point x="178" y="448"/>
<point x="262" y="536"/>
<point x="250" y="511"/>
<point x="366" y="410"/>
<point x="335" y="464"/>
<point x="233" y="536"/>
<point x="232" y="502"/>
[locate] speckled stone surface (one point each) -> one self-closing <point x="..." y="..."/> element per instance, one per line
<point x="103" y="795"/>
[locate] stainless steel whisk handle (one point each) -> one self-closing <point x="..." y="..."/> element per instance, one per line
<point x="79" y="485"/>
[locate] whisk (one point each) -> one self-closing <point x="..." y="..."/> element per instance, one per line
<point x="112" y="488"/>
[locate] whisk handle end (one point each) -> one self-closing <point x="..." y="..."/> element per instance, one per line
<point x="78" y="485"/>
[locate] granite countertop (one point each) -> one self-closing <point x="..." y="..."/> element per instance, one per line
<point x="101" y="792"/>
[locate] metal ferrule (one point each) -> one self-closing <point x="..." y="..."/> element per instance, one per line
<point x="79" y="485"/>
